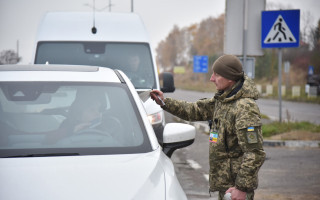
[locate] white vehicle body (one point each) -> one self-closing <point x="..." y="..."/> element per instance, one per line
<point x="42" y="175"/>
<point x="68" y="38"/>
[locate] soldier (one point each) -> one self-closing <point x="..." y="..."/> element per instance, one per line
<point x="236" y="151"/>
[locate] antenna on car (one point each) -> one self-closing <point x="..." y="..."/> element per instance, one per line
<point x="94" y="29"/>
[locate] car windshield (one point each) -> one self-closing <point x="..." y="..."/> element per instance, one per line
<point x="134" y="59"/>
<point x="43" y="118"/>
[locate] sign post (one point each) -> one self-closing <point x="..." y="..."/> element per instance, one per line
<point x="280" y="29"/>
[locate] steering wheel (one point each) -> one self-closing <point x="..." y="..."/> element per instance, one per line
<point x="113" y="131"/>
<point x="92" y="131"/>
<point x="114" y="125"/>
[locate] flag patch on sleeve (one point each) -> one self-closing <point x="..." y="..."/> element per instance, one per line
<point x="252" y="135"/>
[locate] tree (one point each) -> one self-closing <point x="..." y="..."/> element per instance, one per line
<point x="208" y="39"/>
<point x="9" y="57"/>
<point x="180" y="45"/>
<point x="174" y="50"/>
<point x="315" y="59"/>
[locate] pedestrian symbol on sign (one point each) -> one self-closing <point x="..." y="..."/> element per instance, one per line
<point x="280" y="32"/>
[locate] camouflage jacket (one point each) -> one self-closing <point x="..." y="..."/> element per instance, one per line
<point x="236" y="151"/>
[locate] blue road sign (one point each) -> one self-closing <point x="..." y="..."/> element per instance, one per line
<point x="311" y="70"/>
<point x="280" y="28"/>
<point x="200" y="64"/>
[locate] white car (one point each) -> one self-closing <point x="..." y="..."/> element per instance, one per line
<point x="81" y="132"/>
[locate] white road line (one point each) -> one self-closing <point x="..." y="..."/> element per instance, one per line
<point x="194" y="164"/>
<point x="206" y="176"/>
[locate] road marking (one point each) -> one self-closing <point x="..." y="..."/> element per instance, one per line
<point x="194" y="164"/>
<point x="206" y="176"/>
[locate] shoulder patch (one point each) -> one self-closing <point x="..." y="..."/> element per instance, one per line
<point x="252" y="135"/>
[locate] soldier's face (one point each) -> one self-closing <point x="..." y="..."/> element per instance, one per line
<point x="221" y="82"/>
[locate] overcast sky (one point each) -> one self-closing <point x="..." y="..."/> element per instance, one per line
<point x="19" y="19"/>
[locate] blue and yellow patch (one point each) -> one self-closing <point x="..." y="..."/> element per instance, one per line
<point x="252" y="135"/>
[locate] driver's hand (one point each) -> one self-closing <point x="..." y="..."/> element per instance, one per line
<point x="81" y="126"/>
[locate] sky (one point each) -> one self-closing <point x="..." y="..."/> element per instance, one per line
<point x="19" y="19"/>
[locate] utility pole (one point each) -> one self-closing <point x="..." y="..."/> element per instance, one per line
<point x="280" y="83"/>
<point x="131" y="5"/>
<point x="109" y="5"/>
<point x="18" y="48"/>
<point x="245" y="30"/>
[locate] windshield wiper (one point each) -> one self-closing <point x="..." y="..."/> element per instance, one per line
<point x="44" y="155"/>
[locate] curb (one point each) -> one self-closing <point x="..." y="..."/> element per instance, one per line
<point x="202" y="126"/>
<point x="291" y="143"/>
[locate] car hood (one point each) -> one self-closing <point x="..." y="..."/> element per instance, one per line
<point x="136" y="176"/>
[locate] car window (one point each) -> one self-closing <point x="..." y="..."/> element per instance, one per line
<point x="44" y="117"/>
<point x="134" y="59"/>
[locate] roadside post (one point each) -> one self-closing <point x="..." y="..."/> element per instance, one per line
<point x="287" y="71"/>
<point x="280" y="29"/>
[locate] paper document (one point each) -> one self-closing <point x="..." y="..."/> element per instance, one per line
<point x="144" y="96"/>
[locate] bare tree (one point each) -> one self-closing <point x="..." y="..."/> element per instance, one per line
<point x="9" y="57"/>
<point x="174" y="50"/>
<point x="180" y="45"/>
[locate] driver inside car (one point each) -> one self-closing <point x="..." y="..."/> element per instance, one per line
<point x="84" y="115"/>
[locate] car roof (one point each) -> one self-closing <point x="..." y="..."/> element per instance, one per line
<point x="68" y="73"/>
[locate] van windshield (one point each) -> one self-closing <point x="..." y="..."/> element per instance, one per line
<point x="134" y="59"/>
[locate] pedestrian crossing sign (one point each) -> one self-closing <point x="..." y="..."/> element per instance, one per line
<point x="280" y="28"/>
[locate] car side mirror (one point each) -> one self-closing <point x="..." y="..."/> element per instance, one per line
<point x="176" y="136"/>
<point x="168" y="82"/>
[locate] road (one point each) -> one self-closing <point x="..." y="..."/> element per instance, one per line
<point x="292" y="111"/>
<point x="288" y="173"/>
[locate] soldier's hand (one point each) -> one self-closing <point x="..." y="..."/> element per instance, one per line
<point x="157" y="96"/>
<point x="236" y="194"/>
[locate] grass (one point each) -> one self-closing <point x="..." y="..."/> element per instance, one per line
<point x="263" y="116"/>
<point x="275" y="128"/>
<point x="302" y="98"/>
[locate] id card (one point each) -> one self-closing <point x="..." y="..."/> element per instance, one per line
<point x="213" y="137"/>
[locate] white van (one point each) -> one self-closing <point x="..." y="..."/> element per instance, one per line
<point x="114" y="40"/>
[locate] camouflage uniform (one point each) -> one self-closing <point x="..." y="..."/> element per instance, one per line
<point x="237" y="155"/>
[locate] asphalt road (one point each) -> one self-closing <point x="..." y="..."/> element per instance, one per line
<point x="288" y="173"/>
<point x="292" y="111"/>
